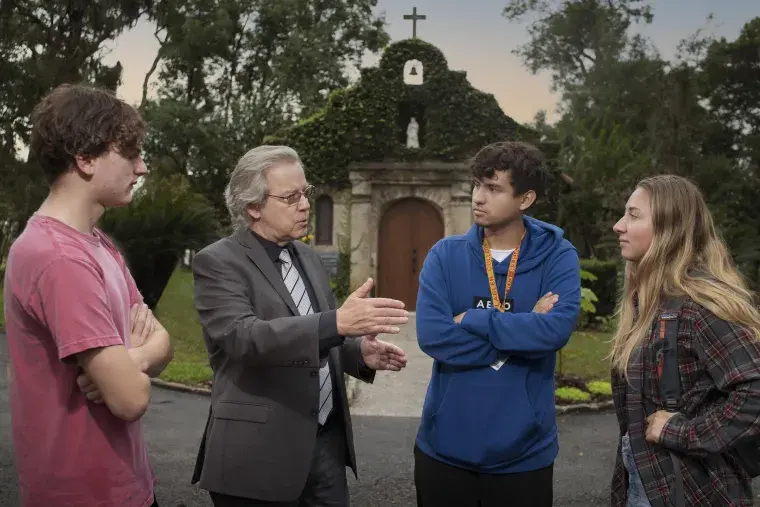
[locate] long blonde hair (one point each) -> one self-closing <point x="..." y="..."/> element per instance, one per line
<point x="686" y="257"/>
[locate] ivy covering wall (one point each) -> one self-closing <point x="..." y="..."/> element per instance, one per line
<point x="368" y="121"/>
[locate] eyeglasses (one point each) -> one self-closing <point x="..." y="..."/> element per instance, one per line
<point x="295" y="197"/>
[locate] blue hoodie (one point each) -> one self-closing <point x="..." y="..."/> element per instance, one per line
<point x="476" y="416"/>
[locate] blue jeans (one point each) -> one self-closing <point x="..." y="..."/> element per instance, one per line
<point x="637" y="497"/>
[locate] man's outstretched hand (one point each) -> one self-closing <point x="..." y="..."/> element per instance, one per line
<point x="362" y="315"/>
<point x="380" y="355"/>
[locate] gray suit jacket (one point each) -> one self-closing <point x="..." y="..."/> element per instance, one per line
<point x="262" y="426"/>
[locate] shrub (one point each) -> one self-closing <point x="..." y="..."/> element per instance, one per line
<point x="572" y="394"/>
<point x="600" y="387"/>
<point x="588" y="297"/>
<point x="588" y="300"/>
<point x="165" y="219"/>
<point x="605" y="285"/>
<point x="342" y="280"/>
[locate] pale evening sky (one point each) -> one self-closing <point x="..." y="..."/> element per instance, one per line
<point x="475" y="37"/>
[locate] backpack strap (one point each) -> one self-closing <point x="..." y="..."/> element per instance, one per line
<point x="667" y="367"/>
<point x="670" y="379"/>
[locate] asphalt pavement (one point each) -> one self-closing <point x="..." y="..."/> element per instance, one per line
<point x="384" y="444"/>
<point x="174" y="425"/>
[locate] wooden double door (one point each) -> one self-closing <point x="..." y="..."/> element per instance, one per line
<point x="408" y="229"/>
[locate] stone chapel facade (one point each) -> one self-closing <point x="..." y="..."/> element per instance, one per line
<point x="414" y="186"/>
<point x="391" y="216"/>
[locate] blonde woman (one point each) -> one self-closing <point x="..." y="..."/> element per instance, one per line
<point x="679" y="271"/>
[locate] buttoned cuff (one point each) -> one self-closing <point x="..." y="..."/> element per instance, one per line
<point x="328" y="332"/>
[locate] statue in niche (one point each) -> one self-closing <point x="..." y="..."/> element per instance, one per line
<point x="412" y="137"/>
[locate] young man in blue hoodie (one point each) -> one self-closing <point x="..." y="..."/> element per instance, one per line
<point x="494" y="307"/>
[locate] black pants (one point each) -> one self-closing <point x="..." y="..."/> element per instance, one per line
<point x="326" y="485"/>
<point x="442" y="485"/>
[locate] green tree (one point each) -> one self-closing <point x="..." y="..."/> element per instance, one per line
<point x="570" y="39"/>
<point x="231" y="72"/>
<point x="165" y="218"/>
<point x="628" y="113"/>
<point x="44" y="43"/>
<point x="731" y="72"/>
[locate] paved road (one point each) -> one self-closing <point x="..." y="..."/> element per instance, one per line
<point x="384" y="444"/>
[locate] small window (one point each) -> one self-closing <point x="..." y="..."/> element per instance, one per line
<point x="324" y="207"/>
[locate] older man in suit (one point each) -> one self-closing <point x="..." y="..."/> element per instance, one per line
<point x="279" y="429"/>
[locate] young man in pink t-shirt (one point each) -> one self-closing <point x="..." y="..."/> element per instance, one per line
<point x="82" y="344"/>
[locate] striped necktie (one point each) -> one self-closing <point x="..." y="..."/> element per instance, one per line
<point x="297" y="290"/>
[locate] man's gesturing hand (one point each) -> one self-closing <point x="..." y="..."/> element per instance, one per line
<point x="361" y="315"/>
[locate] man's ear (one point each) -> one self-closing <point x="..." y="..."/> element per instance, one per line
<point x="528" y="198"/>
<point x="254" y="211"/>
<point x="84" y="165"/>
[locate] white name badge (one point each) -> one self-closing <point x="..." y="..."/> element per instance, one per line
<point x="499" y="362"/>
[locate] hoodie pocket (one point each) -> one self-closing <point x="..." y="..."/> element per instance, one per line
<point x="486" y="424"/>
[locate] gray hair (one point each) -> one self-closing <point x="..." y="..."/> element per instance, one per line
<point x="248" y="182"/>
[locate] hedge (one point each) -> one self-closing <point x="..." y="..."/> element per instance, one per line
<point x="605" y="286"/>
<point x="367" y="122"/>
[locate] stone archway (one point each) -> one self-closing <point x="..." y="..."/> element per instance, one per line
<point x="442" y="188"/>
<point x="408" y="229"/>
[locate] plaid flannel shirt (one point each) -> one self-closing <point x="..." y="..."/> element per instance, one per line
<point x="719" y="366"/>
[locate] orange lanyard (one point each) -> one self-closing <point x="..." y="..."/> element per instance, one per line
<point x="501" y="306"/>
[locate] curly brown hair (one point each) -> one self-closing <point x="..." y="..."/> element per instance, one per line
<point x="79" y="120"/>
<point x="525" y="163"/>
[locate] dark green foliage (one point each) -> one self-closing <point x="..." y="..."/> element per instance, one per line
<point x="341" y="283"/>
<point x="367" y="122"/>
<point x="165" y="219"/>
<point x="605" y="286"/>
<point x="45" y="43"/>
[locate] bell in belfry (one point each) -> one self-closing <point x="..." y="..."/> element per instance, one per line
<point x="413" y="72"/>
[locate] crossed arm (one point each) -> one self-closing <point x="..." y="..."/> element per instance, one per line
<point x="151" y="351"/>
<point x="483" y="334"/>
<point x="151" y="347"/>
<point x="71" y="298"/>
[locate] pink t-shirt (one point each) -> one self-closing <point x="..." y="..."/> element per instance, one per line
<point x="66" y="292"/>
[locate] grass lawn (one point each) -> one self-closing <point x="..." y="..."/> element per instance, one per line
<point x="177" y="314"/>
<point x="583" y="356"/>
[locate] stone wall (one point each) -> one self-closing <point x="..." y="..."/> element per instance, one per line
<point x="375" y="186"/>
<point x="341" y="227"/>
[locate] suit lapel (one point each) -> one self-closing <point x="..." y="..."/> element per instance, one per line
<point x="259" y="256"/>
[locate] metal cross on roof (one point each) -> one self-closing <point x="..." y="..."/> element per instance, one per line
<point x="414" y="17"/>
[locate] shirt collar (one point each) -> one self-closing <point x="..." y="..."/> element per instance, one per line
<point x="272" y="249"/>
